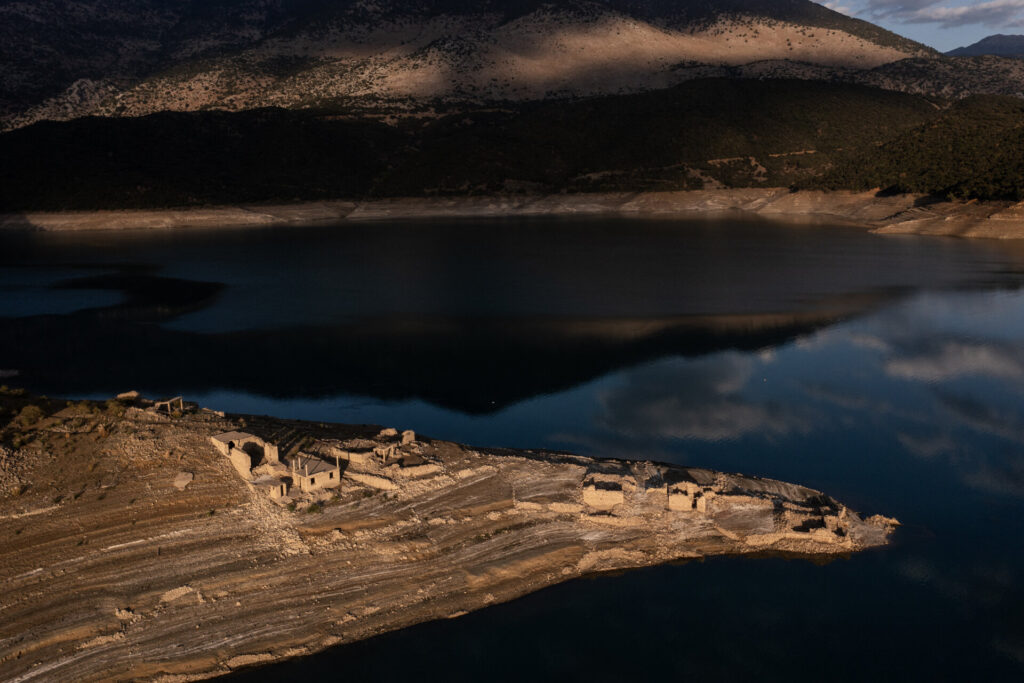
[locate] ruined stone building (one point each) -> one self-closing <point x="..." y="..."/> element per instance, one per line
<point x="245" y="451"/>
<point x="272" y="486"/>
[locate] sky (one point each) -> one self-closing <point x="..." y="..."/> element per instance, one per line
<point x="942" y="24"/>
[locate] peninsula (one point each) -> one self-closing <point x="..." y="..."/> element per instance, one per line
<point x="162" y="541"/>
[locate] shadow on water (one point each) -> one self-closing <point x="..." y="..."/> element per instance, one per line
<point x="461" y="317"/>
<point x="146" y="297"/>
<point x="471" y="365"/>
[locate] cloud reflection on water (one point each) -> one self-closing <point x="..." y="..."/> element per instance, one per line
<point x="702" y="399"/>
<point x="941" y="379"/>
<point x="958" y="358"/>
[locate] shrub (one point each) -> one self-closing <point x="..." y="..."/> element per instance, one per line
<point x="29" y="415"/>
<point x="114" y="408"/>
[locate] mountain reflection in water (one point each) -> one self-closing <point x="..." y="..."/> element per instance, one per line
<point x="888" y="372"/>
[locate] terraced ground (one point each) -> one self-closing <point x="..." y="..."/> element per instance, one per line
<point x="114" y="564"/>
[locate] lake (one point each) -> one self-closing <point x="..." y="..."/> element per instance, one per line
<point x="885" y="371"/>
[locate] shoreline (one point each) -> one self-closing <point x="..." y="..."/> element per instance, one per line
<point x="898" y="214"/>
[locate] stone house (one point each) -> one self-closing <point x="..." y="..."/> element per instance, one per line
<point x="310" y="473"/>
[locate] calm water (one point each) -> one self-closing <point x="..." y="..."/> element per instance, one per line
<point x="886" y="371"/>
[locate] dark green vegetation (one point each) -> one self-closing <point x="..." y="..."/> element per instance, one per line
<point x="191" y="159"/>
<point x="973" y="149"/>
<point x="676" y="138"/>
<point x="737" y="133"/>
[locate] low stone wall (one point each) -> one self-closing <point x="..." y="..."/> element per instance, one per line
<point x="372" y="480"/>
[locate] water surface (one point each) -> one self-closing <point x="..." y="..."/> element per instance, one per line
<point x="886" y="371"/>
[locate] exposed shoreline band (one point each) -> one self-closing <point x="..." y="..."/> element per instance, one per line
<point x="905" y="214"/>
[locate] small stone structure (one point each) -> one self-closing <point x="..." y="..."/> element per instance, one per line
<point x="358" y="456"/>
<point x="250" y="443"/>
<point x="169" y="406"/>
<point x="244" y="450"/>
<point x="272" y="486"/>
<point x="602" y="494"/>
<point x="388" y="454"/>
<point x="683" y="497"/>
<point x="310" y="473"/>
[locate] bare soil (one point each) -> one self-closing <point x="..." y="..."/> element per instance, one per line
<point x="131" y="548"/>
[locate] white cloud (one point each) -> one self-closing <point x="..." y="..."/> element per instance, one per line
<point x="994" y="13"/>
<point x="842" y="9"/>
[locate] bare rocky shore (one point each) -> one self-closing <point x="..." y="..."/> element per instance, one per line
<point x="910" y="214"/>
<point x="133" y="548"/>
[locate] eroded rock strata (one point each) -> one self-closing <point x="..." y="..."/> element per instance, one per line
<point x="134" y="546"/>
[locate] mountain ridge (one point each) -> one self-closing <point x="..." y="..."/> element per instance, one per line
<point x="998" y="44"/>
<point x="66" y="60"/>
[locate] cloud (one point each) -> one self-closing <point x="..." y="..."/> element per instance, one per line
<point x="695" y="400"/>
<point x="842" y="9"/>
<point x="959" y="359"/>
<point x="995" y="13"/>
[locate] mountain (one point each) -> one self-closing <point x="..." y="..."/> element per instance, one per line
<point x="999" y="44"/>
<point x="68" y="58"/>
<point x="704" y="133"/>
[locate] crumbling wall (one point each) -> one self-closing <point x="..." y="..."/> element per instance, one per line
<point x="241" y="461"/>
<point x="602" y="497"/>
<point x="372" y="480"/>
<point x="221" y="446"/>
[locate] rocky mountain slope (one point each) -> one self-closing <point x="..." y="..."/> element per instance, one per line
<point x="68" y="59"/>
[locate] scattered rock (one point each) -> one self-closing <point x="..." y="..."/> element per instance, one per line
<point x="408" y="436"/>
<point x="388" y="432"/>
<point x="182" y="480"/>
<point x="175" y="593"/>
